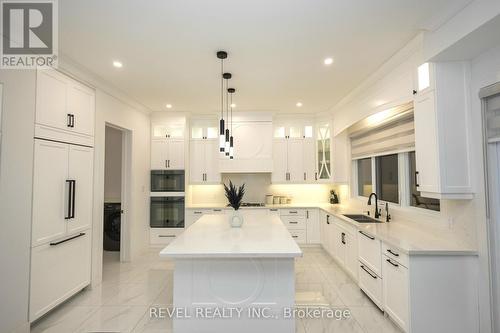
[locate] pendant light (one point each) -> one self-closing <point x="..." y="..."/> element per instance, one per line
<point x="227" y="76"/>
<point x="231" y="91"/>
<point x="221" y="55"/>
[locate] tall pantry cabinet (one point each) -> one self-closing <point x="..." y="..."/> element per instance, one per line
<point x="62" y="191"/>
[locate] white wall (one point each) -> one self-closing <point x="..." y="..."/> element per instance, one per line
<point x="16" y="171"/>
<point x="485" y="71"/>
<point x="113" y="165"/>
<point x="110" y="110"/>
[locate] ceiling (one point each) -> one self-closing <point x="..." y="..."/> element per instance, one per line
<point x="276" y="48"/>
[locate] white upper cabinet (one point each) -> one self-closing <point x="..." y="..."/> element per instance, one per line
<point x="204" y="152"/>
<point x="323" y="152"/>
<point x="167" y="145"/>
<point x="293" y="152"/>
<point x="65" y="108"/>
<point x="442" y="137"/>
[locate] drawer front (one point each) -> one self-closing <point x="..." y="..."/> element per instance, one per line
<point x="274" y="211"/>
<point x="370" y="283"/>
<point x="294" y="222"/>
<point x="370" y="252"/>
<point x="58" y="271"/>
<point x="163" y="236"/>
<point x="293" y="212"/>
<point x="299" y="236"/>
<point x="395" y="255"/>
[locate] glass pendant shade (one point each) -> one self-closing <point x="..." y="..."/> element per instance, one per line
<point x="222" y="137"/>
<point x="231" y="148"/>
<point x="226" y="146"/>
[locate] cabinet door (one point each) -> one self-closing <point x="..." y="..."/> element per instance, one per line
<point x="295" y="160"/>
<point x="280" y="168"/>
<point x="50" y="191"/>
<point x="81" y="105"/>
<point x="426" y="143"/>
<point x="395" y="291"/>
<point x="351" y="254"/>
<point x="51" y="100"/>
<point x="175" y="155"/>
<point x="322" y="228"/>
<point x="81" y="171"/>
<point x="309" y="158"/>
<point x="312" y="226"/>
<point x="338" y="243"/>
<point x="158" y="154"/>
<point x="212" y="174"/>
<point x="197" y="161"/>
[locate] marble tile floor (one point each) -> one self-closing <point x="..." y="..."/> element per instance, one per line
<point x="122" y="302"/>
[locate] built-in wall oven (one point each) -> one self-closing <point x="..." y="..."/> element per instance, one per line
<point x="167" y="181"/>
<point x="167" y="199"/>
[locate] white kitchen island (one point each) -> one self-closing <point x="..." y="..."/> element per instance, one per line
<point x="234" y="279"/>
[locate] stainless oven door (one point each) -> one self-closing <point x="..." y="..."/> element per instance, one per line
<point x="167" y="212"/>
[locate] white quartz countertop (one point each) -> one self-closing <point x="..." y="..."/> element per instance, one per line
<point x="212" y="237"/>
<point x="399" y="234"/>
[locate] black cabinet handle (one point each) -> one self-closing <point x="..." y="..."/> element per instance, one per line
<point x="342" y="237"/>
<point x="315" y="176"/>
<point x="72" y="120"/>
<point x="292" y="211"/>
<point x="197" y="212"/>
<point x="304" y="176"/>
<point x="369" y="273"/>
<point x="293" y="222"/>
<point x="68" y="213"/>
<point x="393" y="253"/>
<point x="294" y="236"/>
<point x="390" y="262"/>
<point x="73" y="199"/>
<point x="414" y="92"/>
<point x="416" y="179"/>
<point x="307" y="214"/>
<point x="366" y="235"/>
<point x="166" y="236"/>
<point x="67" y="239"/>
<point x="68" y="120"/>
<point x="328" y="219"/>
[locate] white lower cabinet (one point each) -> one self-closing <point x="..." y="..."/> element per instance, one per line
<point x="59" y="269"/>
<point x="312" y="226"/>
<point x="371" y="284"/>
<point x="395" y="290"/>
<point x="344" y="247"/>
<point x="295" y="220"/>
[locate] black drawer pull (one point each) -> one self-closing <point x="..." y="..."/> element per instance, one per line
<point x="294" y="236"/>
<point x="390" y="262"/>
<point x="67" y="239"/>
<point x="166" y="236"/>
<point x="197" y="212"/>
<point x="293" y="212"/>
<point x="217" y="210"/>
<point x="366" y="235"/>
<point x="393" y="253"/>
<point x="367" y="271"/>
<point x="293" y="222"/>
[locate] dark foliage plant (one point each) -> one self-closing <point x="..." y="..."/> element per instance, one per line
<point x="234" y="194"/>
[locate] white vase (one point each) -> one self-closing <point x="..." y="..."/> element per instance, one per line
<point x="236" y="219"/>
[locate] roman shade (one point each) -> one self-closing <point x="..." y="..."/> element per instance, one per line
<point x="387" y="132"/>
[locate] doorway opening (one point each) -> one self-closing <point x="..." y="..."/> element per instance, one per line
<point x="116" y="242"/>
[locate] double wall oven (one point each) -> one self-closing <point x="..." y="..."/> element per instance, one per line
<point x="167" y="199"/>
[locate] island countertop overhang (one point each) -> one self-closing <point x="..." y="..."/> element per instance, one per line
<point x="213" y="237"/>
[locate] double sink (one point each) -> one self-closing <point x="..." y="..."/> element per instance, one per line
<point x="360" y="218"/>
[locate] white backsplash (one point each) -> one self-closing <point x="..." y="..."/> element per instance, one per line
<point x="257" y="186"/>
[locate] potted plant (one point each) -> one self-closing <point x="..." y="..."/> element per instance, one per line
<point x="235" y="196"/>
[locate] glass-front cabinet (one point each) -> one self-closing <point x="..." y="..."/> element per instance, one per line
<point x="323" y="151"/>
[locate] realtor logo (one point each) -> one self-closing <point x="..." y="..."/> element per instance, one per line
<point x="29" y="34"/>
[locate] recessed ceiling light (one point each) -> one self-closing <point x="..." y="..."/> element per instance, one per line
<point x="299" y="104"/>
<point x="328" y="61"/>
<point x="117" y="64"/>
<point x="169" y="106"/>
<point x="233" y="105"/>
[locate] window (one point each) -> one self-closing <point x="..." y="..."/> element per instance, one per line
<point x="415" y="199"/>
<point x="365" y="186"/>
<point x="387" y="182"/>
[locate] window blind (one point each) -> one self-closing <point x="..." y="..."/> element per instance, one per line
<point x="393" y="136"/>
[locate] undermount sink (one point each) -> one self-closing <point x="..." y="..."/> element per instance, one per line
<point x="362" y="218"/>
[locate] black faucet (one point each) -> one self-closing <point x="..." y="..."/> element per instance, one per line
<point x="377" y="212"/>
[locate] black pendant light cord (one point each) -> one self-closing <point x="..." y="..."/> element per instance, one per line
<point x="231" y="105"/>
<point x="222" y="89"/>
